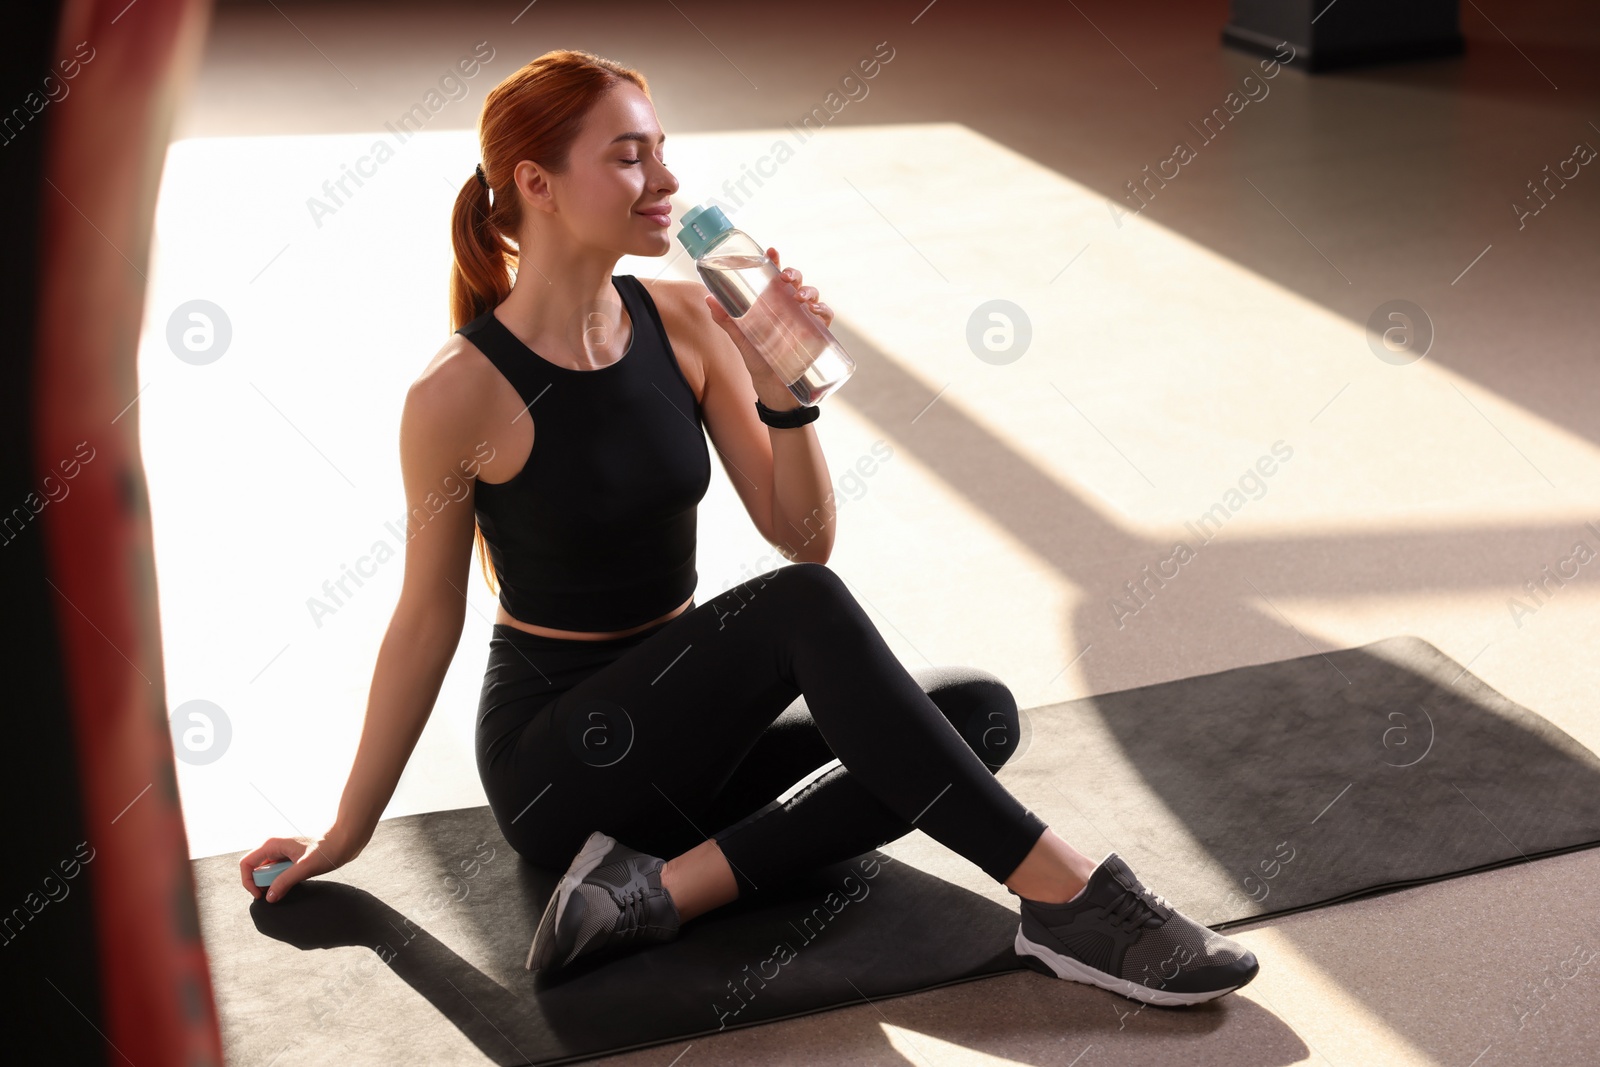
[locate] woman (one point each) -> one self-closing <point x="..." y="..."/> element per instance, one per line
<point x="616" y="709"/>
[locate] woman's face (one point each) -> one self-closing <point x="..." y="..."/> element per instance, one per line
<point x="616" y="170"/>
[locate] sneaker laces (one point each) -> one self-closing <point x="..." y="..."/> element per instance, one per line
<point x="1138" y="907"/>
<point x="634" y="915"/>
<point x="630" y="914"/>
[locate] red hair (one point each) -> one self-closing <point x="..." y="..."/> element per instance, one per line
<point x="536" y="114"/>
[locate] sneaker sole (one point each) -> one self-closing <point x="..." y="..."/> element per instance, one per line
<point x="594" y="850"/>
<point x="1075" y="970"/>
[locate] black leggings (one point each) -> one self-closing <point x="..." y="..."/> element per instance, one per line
<point x="692" y="729"/>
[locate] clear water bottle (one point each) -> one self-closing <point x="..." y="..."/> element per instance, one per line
<point x="800" y="349"/>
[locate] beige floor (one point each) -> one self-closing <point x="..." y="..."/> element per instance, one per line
<point x="1170" y="350"/>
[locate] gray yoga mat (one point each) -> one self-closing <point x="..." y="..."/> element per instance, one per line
<point x="1251" y="792"/>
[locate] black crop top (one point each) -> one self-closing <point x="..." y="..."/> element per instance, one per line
<point x="596" y="532"/>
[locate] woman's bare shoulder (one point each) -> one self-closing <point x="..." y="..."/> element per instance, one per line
<point x="458" y="367"/>
<point x="672" y="298"/>
<point x="453" y="395"/>
<point x="674" y="286"/>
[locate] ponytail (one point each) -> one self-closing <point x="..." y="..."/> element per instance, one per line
<point x="480" y="277"/>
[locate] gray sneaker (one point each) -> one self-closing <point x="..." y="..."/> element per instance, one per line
<point x="1120" y="936"/>
<point x="611" y="895"/>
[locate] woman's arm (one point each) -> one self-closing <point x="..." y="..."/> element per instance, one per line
<point x="439" y="465"/>
<point x="411" y="665"/>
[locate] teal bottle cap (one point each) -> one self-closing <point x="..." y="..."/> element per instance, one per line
<point x="701" y="228"/>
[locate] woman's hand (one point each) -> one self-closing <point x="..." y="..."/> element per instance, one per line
<point x="805" y="293"/>
<point x="766" y="381"/>
<point x="327" y="853"/>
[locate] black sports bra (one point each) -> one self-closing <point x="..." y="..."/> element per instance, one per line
<point x="596" y="532"/>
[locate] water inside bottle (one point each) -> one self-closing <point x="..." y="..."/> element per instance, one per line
<point x="793" y="340"/>
<point x="736" y="280"/>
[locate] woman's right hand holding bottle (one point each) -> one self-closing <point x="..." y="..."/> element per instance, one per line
<point x="310" y="858"/>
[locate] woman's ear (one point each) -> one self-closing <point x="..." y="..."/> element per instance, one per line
<point x="532" y="184"/>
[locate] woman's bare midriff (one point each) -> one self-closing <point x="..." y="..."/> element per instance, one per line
<point x="501" y="615"/>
